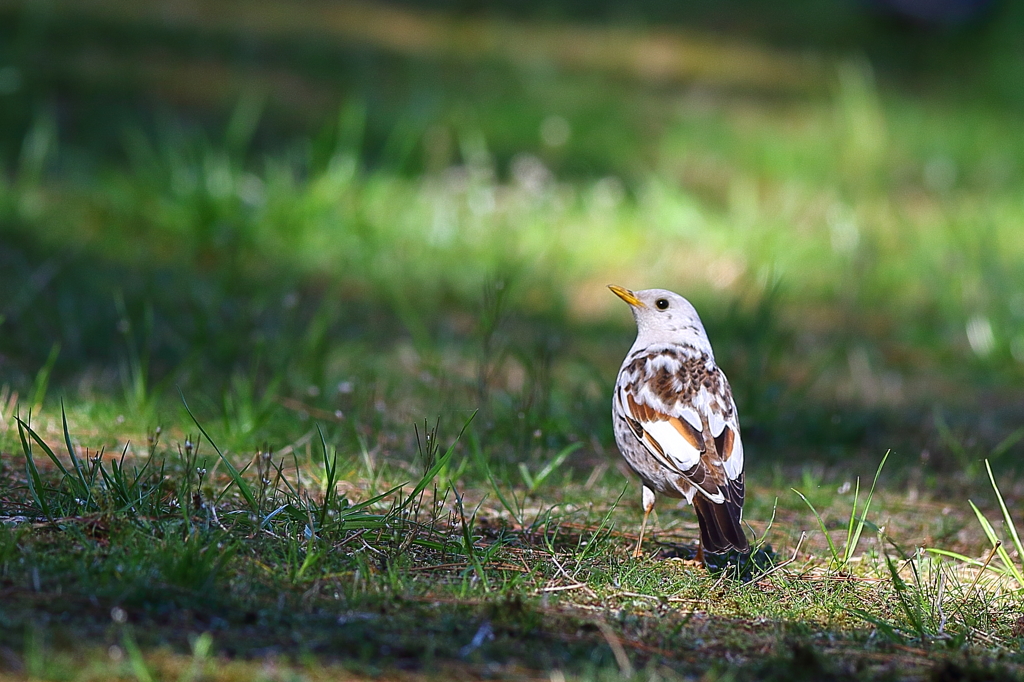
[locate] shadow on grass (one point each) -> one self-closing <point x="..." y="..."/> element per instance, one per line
<point x="429" y="634"/>
<point x="371" y="295"/>
<point x="135" y="331"/>
<point x="131" y="332"/>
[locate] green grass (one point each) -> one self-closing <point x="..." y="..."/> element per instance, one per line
<point x="140" y="566"/>
<point x="306" y="356"/>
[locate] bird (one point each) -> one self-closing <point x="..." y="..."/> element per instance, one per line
<point x="675" y="420"/>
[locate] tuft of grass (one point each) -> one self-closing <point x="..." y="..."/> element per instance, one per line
<point x="854" y="526"/>
<point x="1009" y="568"/>
<point x="535" y="481"/>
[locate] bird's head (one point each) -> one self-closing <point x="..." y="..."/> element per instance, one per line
<point x="663" y="316"/>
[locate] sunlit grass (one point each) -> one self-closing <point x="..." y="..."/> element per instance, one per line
<point x="182" y="552"/>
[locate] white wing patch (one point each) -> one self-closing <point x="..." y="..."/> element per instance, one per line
<point x="691" y="416"/>
<point x="667" y="445"/>
<point x="734" y="465"/>
<point x="682" y="455"/>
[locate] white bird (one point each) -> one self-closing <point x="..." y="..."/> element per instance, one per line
<point x="675" y="420"/>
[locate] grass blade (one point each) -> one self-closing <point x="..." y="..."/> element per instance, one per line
<point x="466" y="526"/>
<point x="46" y="448"/>
<point x="79" y="487"/>
<point x="549" y="468"/>
<point x="485" y="467"/>
<point x="83" y="484"/>
<point x="42" y="380"/>
<point x="821" y="525"/>
<point x="990" y="533"/>
<point x="1006" y="444"/>
<point x="910" y="610"/>
<point x="959" y="557"/>
<point x="135" y="658"/>
<point x="331" y="472"/>
<point x="891" y="632"/>
<point x="434" y="470"/>
<point x="233" y="472"/>
<point x="35" y="483"/>
<point x="850" y="532"/>
<point x="1010" y="525"/>
<point x="851" y="542"/>
<point x="603" y="529"/>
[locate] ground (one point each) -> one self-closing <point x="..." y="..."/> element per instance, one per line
<point x="306" y="353"/>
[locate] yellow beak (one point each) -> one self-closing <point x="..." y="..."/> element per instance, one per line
<point x="626" y="295"/>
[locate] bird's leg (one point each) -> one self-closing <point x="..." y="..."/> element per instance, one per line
<point x="648" y="508"/>
<point x="700" y="554"/>
<point x="640" y="540"/>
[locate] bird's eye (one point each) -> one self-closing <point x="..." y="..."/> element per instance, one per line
<point x="662" y="303"/>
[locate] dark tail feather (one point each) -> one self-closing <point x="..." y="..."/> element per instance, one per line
<point x="720" y="528"/>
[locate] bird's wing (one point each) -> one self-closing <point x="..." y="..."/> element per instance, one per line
<point x="680" y="407"/>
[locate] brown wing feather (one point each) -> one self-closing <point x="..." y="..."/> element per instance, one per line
<point x="720" y="522"/>
<point x="646" y="413"/>
<point x="724" y="442"/>
<point x="708" y="474"/>
<point x="710" y="459"/>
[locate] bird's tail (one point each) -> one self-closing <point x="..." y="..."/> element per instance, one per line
<point x="720" y="528"/>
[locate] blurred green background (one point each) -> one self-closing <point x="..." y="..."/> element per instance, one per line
<point x="371" y="213"/>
